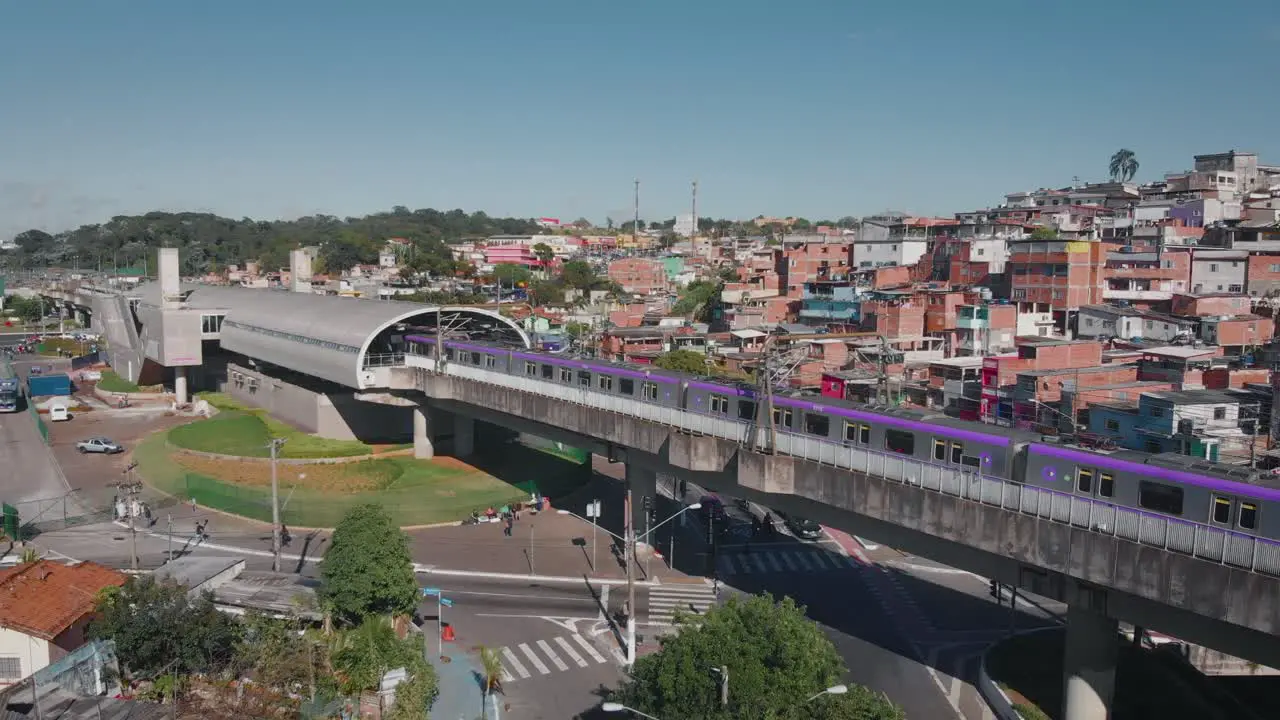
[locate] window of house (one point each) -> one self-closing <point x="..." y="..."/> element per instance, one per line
<point x="1106" y="485"/>
<point x="584" y="378"/>
<point x="10" y="668"/>
<point x="1235" y="288"/>
<point x="1111" y="424"/>
<point x="649" y="390"/>
<point x="1084" y="480"/>
<point x="1159" y="497"/>
<point x="1275" y="268"/>
<point x="1157" y="412"/>
<point x="1248" y="516"/>
<point x="1221" y="510"/>
<point x="548" y="372"/>
<point x="566" y="375"/>
<point x="782" y="417"/>
<point x="211" y="323"/>
<point x="1213" y="267"/>
<point x="530" y="368"/>
<point x="605" y="382"/>
<point x="982" y="251"/>
<point x="1219" y="413"/>
<point x="1151" y="446"/>
<point x="900" y="441"/>
<point x="746" y="409"/>
<point x="939" y="450"/>
<point x="816" y="424"/>
<point x="627" y="386"/>
<point x="1088" y="322"/>
<point x="719" y="404"/>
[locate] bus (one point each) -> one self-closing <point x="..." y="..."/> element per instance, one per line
<point x="10" y="389"/>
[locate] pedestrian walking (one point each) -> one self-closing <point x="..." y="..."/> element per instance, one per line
<point x="506" y="528"/>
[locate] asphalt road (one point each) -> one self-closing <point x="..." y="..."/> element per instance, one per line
<point x="30" y="473"/>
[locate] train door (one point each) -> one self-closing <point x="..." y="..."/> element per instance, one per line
<point x="1238" y="514"/>
<point x="1094" y="483"/>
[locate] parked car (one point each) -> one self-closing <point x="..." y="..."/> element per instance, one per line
<point x="99" y="445"/>
<point x="803" y="528"/>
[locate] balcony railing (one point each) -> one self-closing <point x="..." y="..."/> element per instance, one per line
<point x="1198" y="540"/>
<point x="383" y="360"/>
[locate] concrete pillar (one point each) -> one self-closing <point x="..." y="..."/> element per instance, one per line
<point x="422" y="447"/>
<point x="1089" y="665"/>
<point x="180" y="385"/>
<point x="464" y="436"/>
<point x="643" y="482"/>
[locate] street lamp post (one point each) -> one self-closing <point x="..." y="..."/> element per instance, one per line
<point x="613" y="707"/>
<point x="274" y="446"/>
<point x="833" y="690"/>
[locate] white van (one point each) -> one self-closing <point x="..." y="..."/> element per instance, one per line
<point x="59" y="410"/>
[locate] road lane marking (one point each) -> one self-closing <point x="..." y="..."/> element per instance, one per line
<point x="514" y="662"/>
<point x="533" y="658"/>
<point x="773" y="562"/>
<point x="803" y="559"/>
<point x="565" y="646"/>
<point x="759" y="563"/>
<point x="546" y="650"/>
<point x="791" y="564"/>
<point x="589" y="648"/>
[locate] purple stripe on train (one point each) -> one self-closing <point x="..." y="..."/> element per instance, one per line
<point x="1233" y="487"/>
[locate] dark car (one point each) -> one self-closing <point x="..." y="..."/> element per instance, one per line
<point x="803" y="528"/>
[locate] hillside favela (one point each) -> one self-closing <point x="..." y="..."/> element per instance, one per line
<point x="675" y="421"/>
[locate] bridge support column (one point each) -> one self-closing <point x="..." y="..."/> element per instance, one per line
<point x="1089" y="665"/>
<point x="180" y="385"/>
<point x="422" y="447"/>
<point x="464" y="436"/>
<point x="643" y="483"/>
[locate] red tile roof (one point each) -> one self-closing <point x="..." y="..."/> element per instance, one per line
<point x="44" y="598"/>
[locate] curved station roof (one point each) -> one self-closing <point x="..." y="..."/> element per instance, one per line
<point x="325" y="336"/>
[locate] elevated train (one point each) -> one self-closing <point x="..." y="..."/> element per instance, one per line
<point x="1239" y="500"/>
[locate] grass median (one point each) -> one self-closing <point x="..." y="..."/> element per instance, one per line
<point x="414" y="492"/>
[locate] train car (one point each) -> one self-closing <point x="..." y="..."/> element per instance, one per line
<point x="1239" y="499"/>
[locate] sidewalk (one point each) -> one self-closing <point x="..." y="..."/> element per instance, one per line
<point x="459" y="682"/>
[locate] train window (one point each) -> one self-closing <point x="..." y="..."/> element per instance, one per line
<point x="566" y="375"/>
<point x="626" y="386"/>
<point x="530" y="368"/>
<point x="548" y="372"/>
<point x="816" y="424"/>
<point x="649" y="390"/>
<point x="850" y="432"/>
<point x="1222" y="510"/>
<point x="864" y="434"/>
<point x="957" y="452"/>
<point x="450" y="354"/>
<point x="1248" y="516"/>
<point x="584" y="378"/>
<point x="1161" y="498"/>
<point x="746" y="410"/>
<point x="488" y="361"/>
<point x="971" y="461"/>
<point x="939" y="450"/>
<point x="1106" y="485"/>
<point x="782" y="417"/>
<point x="1084" y="480"/>
<point x="900" y="441"/>
<point x="475" y="358"/>
<point x="719" y="404"/>
<point x="605" y="382"/>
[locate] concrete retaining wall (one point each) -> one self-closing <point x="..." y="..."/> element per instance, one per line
<point x="335" y="416"/>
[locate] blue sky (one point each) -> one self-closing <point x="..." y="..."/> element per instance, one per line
<point x="812" y="107"/>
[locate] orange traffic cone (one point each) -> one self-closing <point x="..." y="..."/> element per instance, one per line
<point x="447" y="633"/>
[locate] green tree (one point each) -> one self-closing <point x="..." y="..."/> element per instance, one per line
<point x="578" y="274"/>
<point x="367" y="570"/>
<point x="368" y="651"/>
<point x="776" y="658"/>
<point x="490" y="677"/>
<point x="416" y="695"/>
<point x="1124" y="165"/>
<point x="343" y="253"/>
<point x="686" y="361"/>
<point x="544" y="253"/>
<point x="511" y="275"/>
<point x="576" y="329"/>
<point x="278" y="657"/>
<point x="667" y="239"/>
<point x="697" y="296"/>
<point x="1044" y="233"/>
<point x="157" y="627"/>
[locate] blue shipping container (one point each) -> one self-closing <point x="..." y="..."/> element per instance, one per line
<point x="43" y="385"/>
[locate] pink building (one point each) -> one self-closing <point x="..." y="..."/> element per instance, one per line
<point x="511" y="254"/>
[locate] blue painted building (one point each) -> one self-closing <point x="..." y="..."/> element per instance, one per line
<point x="1199" y="423"/>
<point x="830" y="302"/>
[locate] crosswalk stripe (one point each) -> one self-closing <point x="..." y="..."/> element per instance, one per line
<point x="546" y="650"/>
<point x="755" y="558"/>
<point x="786" y="560"/>
<point x="852" y="561"/>
<point x="819" y="560"/>
<point x="773" y="562"/>
<point x="537" y="662"/>
<point x="506" y="675"/>
<point x="742" y="563"/>
<point x="686" y="591"/>
<point x="564" y="645"/>
<point x="511" y="659"/>
<point x="803" y="559"/>
<point x="587" y="646"/>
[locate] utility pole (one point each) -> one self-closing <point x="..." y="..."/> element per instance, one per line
<point x="274" y="446"/>
<point x="170" y="534"/>
<point x="693" y="234"/>
<point x="635" y="229"/>
<point x="439" y="340"/>
<point x="630" y="554"/>
<point x="131" y="490"/>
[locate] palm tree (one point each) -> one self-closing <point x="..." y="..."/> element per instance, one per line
<point x="1124" y="165"/>
<point x="491" y="677"/>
